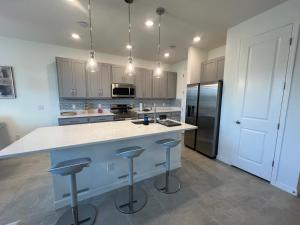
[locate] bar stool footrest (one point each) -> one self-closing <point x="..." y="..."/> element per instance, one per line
<point x="86" y="213"/>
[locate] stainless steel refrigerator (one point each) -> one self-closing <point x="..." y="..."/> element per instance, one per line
<point x="203" y="108"/>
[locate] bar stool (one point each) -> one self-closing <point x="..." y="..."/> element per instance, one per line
<point x="167" y="184"/>
<point x="83" y="214"/>
<point x="134" y="199"/>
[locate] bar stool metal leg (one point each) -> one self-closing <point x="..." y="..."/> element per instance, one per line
<point x="76" y="215"/>
<point x="167" y="184"/>
<point x="84" y="214"/>
<point x="133" y="199"/>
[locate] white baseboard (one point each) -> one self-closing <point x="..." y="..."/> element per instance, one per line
<point x="286" y="188"/>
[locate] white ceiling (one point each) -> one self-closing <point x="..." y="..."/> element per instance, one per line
<point x="52" y="21"/>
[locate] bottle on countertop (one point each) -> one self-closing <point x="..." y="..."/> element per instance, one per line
<point x="100" y="109"/>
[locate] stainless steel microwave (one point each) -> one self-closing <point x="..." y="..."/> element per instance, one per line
<point x="122" y="91"/>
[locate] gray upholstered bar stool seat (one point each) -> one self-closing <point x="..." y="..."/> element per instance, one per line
<point x="83" y="214"/>
<point x="168" y="184"/>
<point x="134" y="199"/>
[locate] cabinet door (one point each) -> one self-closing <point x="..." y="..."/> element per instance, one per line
<point x="105" y="80"/>
<point x="148" y="81"/>
<point x="79" y="78"/>
<point x="172" y="84"/>
<point x="209" y="71"/>
<point x="220" y="68"/>
<point x="140" y="83"/>
<point x="160" y="89"/>
<point x="94" y="84"/>
<point x="65" y="78"/>
<point x="119" y="76"/>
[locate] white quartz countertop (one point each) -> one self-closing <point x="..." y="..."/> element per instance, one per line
<point x="86" y="115"/>
<point x="66" y="137"/>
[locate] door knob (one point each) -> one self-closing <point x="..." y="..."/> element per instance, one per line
<point x="237" y="122"/>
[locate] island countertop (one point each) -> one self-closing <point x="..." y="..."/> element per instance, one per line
<point x="65" y="137"/>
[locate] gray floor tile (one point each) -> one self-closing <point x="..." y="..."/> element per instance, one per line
<point x="212" y="194"/>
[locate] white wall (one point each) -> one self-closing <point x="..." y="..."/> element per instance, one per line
<point x="195" y="57"/>
<point x="37" y="102"/>
<point x="181" y="69"/>
<point x="289" y="159"/>
<point x="216" y="52"/>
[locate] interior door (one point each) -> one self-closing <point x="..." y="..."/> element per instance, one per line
<point x="262" y="72"/>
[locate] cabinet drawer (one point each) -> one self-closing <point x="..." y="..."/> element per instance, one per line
<point x="101" y="119"/>
<point x="70" y="121"/>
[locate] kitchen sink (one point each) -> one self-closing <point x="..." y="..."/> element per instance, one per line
<point x="138" y="122"/>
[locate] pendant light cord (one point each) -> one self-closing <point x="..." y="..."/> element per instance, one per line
<point x="158" y="46"/>
<point x="91" y="29"/>
<point x="129" y="30"/>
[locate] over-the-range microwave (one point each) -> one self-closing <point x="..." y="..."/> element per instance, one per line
<point x="122" y="91"/>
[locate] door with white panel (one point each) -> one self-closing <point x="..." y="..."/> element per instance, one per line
<point x="261" y="79"/>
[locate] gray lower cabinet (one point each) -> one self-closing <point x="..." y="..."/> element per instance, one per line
<point x="119" y="76"/>
<point x="70" y="121"/>
<point x="82" y="120"/>
<point x="71" y="78"/>
<point x="99" y="83"/>
<point x="160" y="90"/>
<point x="172" y="85"/>
<point x="212" y="70"/>
<point x="143" y="82"/>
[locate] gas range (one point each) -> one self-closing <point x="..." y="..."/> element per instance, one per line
<point x="123" y="112"/>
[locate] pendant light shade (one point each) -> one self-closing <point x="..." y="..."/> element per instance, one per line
<point x="92" y="64"/>
<point x="130" y="71"/>
<point x="159" y="70"/>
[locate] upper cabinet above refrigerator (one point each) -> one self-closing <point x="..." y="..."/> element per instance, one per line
<point x="212" y="70"/>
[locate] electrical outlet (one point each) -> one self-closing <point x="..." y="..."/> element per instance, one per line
<point x="110" y="166"/>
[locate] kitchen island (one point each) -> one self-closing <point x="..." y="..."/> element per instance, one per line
<point x="99" y="141"/>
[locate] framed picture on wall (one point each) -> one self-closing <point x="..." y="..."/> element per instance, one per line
<point x="7" y="84"/>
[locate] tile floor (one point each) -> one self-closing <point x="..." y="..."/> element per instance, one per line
<point x="212" y="194"/>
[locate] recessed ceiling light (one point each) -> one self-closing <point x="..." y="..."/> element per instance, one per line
<point x="167" y="55"/>
<point x="197" y="39"/>
<point x="129" y="46"/>
<point x="149" y="23"/>
<point x="75" y="36"/>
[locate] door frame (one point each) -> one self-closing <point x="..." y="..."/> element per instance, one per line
<point x="284" y="107"/>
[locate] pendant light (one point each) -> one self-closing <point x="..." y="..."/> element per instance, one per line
<point x="92" y="64"/>
<point x="130" y="66"/>
<point x="158" y="70"/>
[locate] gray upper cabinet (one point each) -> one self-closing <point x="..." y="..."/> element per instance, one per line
<point x="220" y="68"/>
<point x="212" y="70"/>
<point x="172" y="85"/>
<point x="119" y="76"/>
<point x="71" y="78"/>
<point x="160" y="85"/>
<point x="99" y="83"/>
<point x="143" y="82"/>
